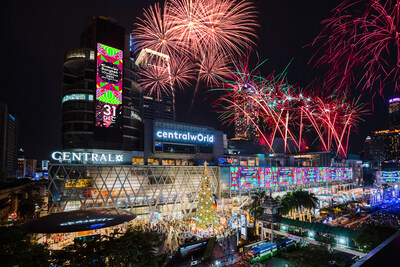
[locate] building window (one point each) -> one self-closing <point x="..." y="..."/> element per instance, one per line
<point x="76" y="53"/>
<point x="71" y="97"/>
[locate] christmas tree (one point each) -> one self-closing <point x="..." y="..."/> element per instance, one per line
<point x="206" y="214"/>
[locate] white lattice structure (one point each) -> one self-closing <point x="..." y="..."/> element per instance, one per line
<point x="168" y="190"/>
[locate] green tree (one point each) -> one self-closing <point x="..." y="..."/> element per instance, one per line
<point x="371" y="235"/>
<point x="255" y="206"/>
<point x="132" y="248"/>
<point x="135" y="247"/>
<point x="298" y="204"/>
<point x="28" y="204"/>
<point x="316" y="256"/>
<point x="19" y="248"/>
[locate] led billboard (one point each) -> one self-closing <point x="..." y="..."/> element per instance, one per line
<point x="109" y="86"/>
<point x="388" y="176"/>
<point x="258" y="177"/>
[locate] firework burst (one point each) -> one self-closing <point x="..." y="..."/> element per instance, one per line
<point x="271" y="109"/>
<point x="206" y="33"/>
<point x="360" y="45"/>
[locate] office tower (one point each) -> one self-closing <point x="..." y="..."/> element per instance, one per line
<point x="246" y="115"/>
<point x="100" y="95"/>
<point x="394" y="113"/>
<point x="8" y="145"/>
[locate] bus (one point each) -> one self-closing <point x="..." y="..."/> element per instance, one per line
<point x="286" y="245"/>
<point x="261" y="253"/>
<point x="253" y="245"/>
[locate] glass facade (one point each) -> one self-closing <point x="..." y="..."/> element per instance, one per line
<point x="167" y="190"/>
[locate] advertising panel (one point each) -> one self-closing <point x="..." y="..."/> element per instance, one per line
<point x="109" y="86"/>
<point x="247" y="177"/>
<point x="258" y="177"/>
<point x="388" y="176"/>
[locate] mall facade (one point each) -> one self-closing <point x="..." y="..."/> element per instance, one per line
<point x="151" y="190"/>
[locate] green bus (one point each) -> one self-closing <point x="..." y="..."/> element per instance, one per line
<point x="253" y="245"/>
<point x="261" y="253"/>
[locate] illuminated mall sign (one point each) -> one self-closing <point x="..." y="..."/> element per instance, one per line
<point x="396" y="99"/>
<point x="186" y="137"/>
<point x="80" y="157"/>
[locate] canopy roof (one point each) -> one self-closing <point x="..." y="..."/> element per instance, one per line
<point x="78" y="220"/>
<point x="321" y="228"/>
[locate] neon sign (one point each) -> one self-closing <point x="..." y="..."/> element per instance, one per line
<point x="86" y="156"/>
<point x="185" y="136"/>
<point x="396" y="99"/>
<point x="109" y="86"/>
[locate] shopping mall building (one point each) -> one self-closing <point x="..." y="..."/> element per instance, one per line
<point x="122" y="147"/>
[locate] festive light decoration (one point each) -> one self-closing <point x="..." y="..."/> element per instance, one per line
<point x="197" y="35"/>
<point x="258" y="177"/>
<point x="271" y="108"/>
<point x="361" y="45"/>
<point x="206" y="212"/>
<point x="388" y="176"/>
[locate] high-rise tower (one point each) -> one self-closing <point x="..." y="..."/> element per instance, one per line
<point x="100" y="95"/>
<point x="156" y="105"/>
<point x="394" y="113"/>
<point x="8" y="145"/>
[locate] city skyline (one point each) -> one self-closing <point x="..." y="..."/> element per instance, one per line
<point x="286" y="30"/>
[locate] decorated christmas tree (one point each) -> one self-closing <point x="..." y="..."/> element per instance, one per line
<point x="206" y="213"/>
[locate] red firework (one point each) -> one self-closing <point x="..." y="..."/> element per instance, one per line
<point x="272" y="109"/>
<point x="361" y="45"/>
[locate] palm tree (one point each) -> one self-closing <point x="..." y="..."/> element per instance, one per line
<point x="298" y="204"/>
<point x="306" y="203"/>
<point x="255" y="207"/>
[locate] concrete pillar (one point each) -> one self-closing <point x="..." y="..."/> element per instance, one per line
<point x="272" y="232"/>
<point x="262" y="233"/>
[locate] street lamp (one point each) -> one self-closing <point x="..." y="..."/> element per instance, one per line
<point x="342" y="240"/>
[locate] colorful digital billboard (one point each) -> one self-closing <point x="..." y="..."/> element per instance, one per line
<point x="260" y="177"/>
<point x="388" y="176"/>
<point x="109" y="86"/>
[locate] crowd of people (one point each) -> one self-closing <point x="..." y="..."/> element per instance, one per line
<point x="385" y="218"/>
<point x="176" y="232"/>
<point x="388" y="214"/>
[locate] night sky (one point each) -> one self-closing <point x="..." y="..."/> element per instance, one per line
<point x="36" y="34"/>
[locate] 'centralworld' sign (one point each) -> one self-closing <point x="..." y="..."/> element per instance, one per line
<point x="87" y="157"/>
<point x="185" y="136"/>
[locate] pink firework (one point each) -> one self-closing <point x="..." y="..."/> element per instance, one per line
<point x="361" y="45"/>
<point x="155" y="79"/>
<point x="154" y="31"/>
<point x="182" y="71"/>
<point x="213" y="67"/>
<point x="224" y="25"/>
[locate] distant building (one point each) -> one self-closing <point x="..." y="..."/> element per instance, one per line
<point x="26" y="167"/>
<point x="246" y="115"/>
<point x="8" y="145"/>
<point x="394" y="113"/>
<point x="383" y="146"/>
